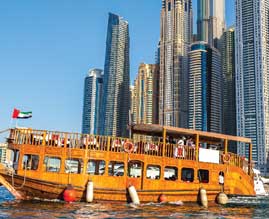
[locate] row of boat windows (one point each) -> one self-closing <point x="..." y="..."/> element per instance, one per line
<point x="115" y="168"/>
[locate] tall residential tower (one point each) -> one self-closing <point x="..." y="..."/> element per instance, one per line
<point x="205" y="106"/>
<point x="228" y="70"/>
<point x="252" y="77"/>
<point x="146" y="96"/>
<point x="116" y="92"/>
<point x="217" y="22"/>
<point x="92" y="102"/>
<point x="176" y="35"/>
<point x="203" y="13"/>
<point x="210" y="21"/>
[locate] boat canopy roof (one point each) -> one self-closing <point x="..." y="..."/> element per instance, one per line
<point x="158" y="130"/>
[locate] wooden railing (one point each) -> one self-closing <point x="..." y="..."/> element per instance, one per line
<point x="113" y="144"/>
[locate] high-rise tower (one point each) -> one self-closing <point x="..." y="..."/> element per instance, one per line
<point x="228" y="70"/>
<point x="210" y="21"/>
<point x="176" y="34"/>
<point x="217" y="22"/>
<point x="92" y="101"/>
<point x="203" y="13"/>
<point x="252" y="81"/>
<point x="205" y="106"/>
<point x="146" y="94"/>
<point x="116" y="92"/>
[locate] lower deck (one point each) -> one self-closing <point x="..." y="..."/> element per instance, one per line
<point x="112" y="173"/>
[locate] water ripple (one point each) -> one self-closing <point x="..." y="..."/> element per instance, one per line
<point x="237" y="207"/>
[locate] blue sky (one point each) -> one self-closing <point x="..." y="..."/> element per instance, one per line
<point x="47" y="47"/>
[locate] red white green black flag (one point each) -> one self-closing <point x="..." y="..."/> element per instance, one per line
<point x="17" y="114"/>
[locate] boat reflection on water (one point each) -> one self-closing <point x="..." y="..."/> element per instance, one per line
<point x="238" y="207"/>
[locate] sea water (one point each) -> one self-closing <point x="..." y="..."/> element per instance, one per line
<point x="236" y="208"/>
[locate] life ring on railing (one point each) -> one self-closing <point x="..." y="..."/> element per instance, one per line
<point x="226" y="158"/>
<point x="128" y="147"/>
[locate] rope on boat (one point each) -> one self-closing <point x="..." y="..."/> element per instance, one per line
<point x="5" y="130"/>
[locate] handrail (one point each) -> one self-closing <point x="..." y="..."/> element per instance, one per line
<point x="115" y="144"/>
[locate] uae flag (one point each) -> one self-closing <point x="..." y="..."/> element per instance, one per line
<point x="17" y="114"/>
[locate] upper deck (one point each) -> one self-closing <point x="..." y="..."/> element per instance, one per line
<point x="205" y="147"/>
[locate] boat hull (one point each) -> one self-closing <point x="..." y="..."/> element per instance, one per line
<point x="38" y="189"/>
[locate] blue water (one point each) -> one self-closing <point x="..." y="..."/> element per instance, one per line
<point x="236" y="208"/>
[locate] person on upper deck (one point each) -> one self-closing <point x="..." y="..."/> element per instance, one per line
<point x="180" y="150"/>
<point x="190" y="142"/>
<point x="181" y="141"/>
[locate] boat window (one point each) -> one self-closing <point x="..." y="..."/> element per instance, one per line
<point x="116" y="168"/>
<point x="73" y="165"/>
<point x="52" y="164"/>
<point x="187" y="174"/>
<point x="153" y="172"/>
<point x="135" y="169"/>
<point x="171" y="173"/>
<point x="96" y="167"/>
<point x="30" y="162"/>
<point x="203" y="176"/>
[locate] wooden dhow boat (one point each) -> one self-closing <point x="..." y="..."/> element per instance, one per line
<point x="157" y="160"/>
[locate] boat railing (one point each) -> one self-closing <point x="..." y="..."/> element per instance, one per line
<point x="113" y="144"/>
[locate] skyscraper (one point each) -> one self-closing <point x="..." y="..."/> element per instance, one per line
<point x="205" y="106"/>
<point x="176" y="34"/>
<point x="203" y="13"/>
<point x="92" y="102"/>
<point x="157" y="54"/>
<point x="210" y="21"/>
<point x="228" y="70"/>
<point x="133" y="104"/>
<point x="146" y="94"/>
<point x="252" y="81"/>
<point x="217" y="22"/>
<point x="116" y="93"/>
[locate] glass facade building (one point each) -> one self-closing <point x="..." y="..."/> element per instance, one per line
<point x="217" y="22"/>
<point x="176" y="36"/>
<point x="228" y="70"/>
<point x="203" y="13"/>
<point x="116" y="92"/>
<point x="205" y="90"/>
<point x="93" y="85"/>
<point x="210" y="21"/>
<point x="252" y="81"/>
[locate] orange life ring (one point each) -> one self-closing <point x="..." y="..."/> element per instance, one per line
<point x="226" y="158"/>
<point x="128" y="147"/>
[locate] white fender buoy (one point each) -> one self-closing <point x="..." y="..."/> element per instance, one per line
<point x="203" y="197"/>
<point x="133" y="194"/>
<point x="89" y="192"/>
<point x="222" y="198"/>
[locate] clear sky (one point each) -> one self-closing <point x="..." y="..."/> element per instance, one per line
<point x="47" y="47"/>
